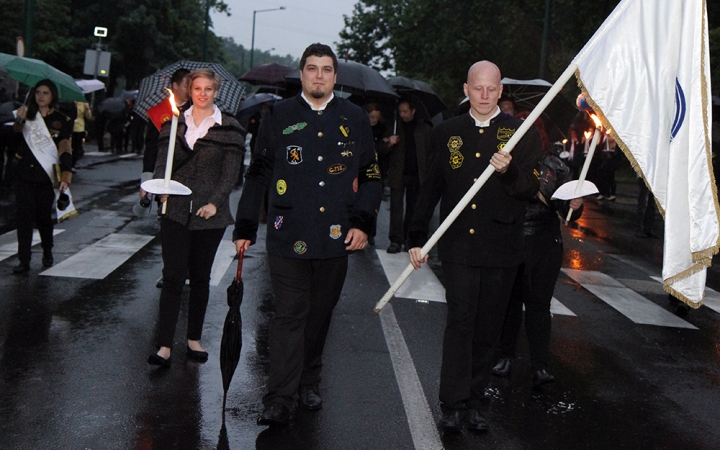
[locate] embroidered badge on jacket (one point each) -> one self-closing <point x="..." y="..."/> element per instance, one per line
<point x="345" y="130"/>
<point x="454" y="143"/>
<point x="336" y="169"/>
<point x="278" y="222"/>
<point x="296" y="127"/>
<point x="300" y="247"/>
<point x="335" y="232"/>
<point x="294" y="154"/>
<point x="504" y="134"/>
<point x="456" y="159"/>
<point x="281" y="187"/>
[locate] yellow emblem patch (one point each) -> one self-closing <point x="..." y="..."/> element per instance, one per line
<point x="505" y="134"/>
<point x="501" y="145"/>
<point x="281" y="187"/>
<point x="456" y="159"/>
<point x="454" y="143"/>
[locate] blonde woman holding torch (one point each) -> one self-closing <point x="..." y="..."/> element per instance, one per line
<point x="207" y="156"/>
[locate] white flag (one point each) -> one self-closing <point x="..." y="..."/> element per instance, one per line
<point x="646" y="72"/>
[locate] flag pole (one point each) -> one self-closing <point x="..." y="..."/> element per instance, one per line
<point x="529" y="121"/>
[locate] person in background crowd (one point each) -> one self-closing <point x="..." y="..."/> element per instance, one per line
<point x="609" y="161"/>
<point x="80" y="131"/>
<point x="379" y="128"/>
<point x="483" y="248"/>
<point x="507" y="106"/>
<point x="47" y="134"/>
<point x="406" y="153"/>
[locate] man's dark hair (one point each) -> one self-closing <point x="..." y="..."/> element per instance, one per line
<point x="318" y="50"/>
<point x="505" y="98"/>
<point x="409" y="102"/>
<point x="179" y="76"/>
<point x="370" y="107"/>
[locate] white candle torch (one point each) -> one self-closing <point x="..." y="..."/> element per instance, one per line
<point x="588" y="158"/>
<point x="587" y="141"/>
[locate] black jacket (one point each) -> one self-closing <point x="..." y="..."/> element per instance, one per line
<point x="210" y="174"/>
<point x="489" y="231"/>
<point x="321" y="177"/>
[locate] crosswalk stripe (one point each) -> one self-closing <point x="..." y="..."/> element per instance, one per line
<point x="626" y="301"/>
<point x="101" y="258"/>
<point x="8" y="242"/>
<point x="225" y="255"/>
<point x="711" y="300"/>
<point x="558" y="308"/>
<point x="422" y="284"/>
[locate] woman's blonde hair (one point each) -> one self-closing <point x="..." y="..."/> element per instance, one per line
<point x="204" y="72"/>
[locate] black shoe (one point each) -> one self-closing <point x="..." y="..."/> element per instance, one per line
<point x="275" y="414"/>
<point x="157" y="360"/>
<point x="394" y="248"/>
<point x="542" y="377"/>
<point x="475" y="421"/>
<point x="47" y="260"/>
<point x="196" y="355"/>
<point x="450" y="423"/>
<point x="310" y="398"/>
<point x="502" y="368"/>
<point x="21" y="268"/>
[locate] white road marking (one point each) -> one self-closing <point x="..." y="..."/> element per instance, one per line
<point x="422" y="284"/>
<point x="8" y="242"/>
<point x="101" y="258"/>
<point x="626" y="301"/>
<point x="223" y="258"/>
<point x="711" y="300"/>
<point x="558" y="308"/>
<point x="420" y="420"/>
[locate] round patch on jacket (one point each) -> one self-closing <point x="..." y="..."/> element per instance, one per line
<point x="300" y="247"/>
<point x="281" y="187"/>
<point x="336" y="169"/>
<point x="335" y="232"/>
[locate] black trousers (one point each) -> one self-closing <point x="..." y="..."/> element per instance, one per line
<point x="534" y="287"/>
<point x="35" y="203"/>
<point x="185" y="253"/>
<point x="477" y="299"/>
<point x="646" y="208"/>
<point x="400" y="223"/>
<point x="306" y="292"/>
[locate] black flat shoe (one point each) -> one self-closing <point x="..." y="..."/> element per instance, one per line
<point x="450" y="423"/>
<point x="502" y="368"/>
<point x="21" y="268"/>
<point x="475" y="421"/>
<point x="48" y="260"/>
<point x="196" y="355"/>
<point x="157" y="360"/>
<point x="275" y="414"/>
<point x="542" y="377"/>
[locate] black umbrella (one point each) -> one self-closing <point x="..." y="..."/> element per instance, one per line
<point x="252" y="103"/>
<point x="6" y="111"/>
<point x="420" y="91"/>
<point x="356" y="79"/>
<point x="152" y="88"/>
<point x="272" y="74"/>
<point x="112" y="107"/>
<point x="231" y="342"/>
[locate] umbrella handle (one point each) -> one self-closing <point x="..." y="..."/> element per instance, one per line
<point x="241" y="255"/>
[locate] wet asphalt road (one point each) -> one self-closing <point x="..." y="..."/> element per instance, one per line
<point x="73" y="371"/>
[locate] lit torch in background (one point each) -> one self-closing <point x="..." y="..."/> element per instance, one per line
<point x="588" y="158"/>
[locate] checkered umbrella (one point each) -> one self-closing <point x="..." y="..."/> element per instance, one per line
<point x="152" y="88"/>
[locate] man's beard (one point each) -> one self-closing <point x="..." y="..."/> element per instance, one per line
<point x="318" y="94"/>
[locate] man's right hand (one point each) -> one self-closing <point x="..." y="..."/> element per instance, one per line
<point x="143" y="193"/>
<point x="393" y="140"/>
<point x="415" y="257"/>
<point x="242" y="244"/>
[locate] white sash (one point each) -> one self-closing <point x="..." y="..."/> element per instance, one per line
<point x="41" y="144"/>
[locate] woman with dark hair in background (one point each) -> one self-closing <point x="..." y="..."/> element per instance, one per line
<point x="207" y="158"/>
<point x="47" y="141"/>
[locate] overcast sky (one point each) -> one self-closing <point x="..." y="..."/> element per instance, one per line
<point x="288" y="31"/>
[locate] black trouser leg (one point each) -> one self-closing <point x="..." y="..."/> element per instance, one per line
<point x="513" y="318"/>
<point x="34" y="205"/>
<point x="292" y="281"/>
<point x="202" y="254"/>
<point x="477" y="299"/>
<point x="396" y="215"/>
<point x="412" y="188"/>
<point x="544" y="255"/>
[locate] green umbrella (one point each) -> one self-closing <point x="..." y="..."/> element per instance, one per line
<point x="29" y="71"/>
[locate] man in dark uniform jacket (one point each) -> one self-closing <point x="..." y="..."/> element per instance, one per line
<point x="482" y="249"/>
<point x="315" y="157"/>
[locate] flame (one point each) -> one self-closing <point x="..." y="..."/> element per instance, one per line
<point x="596" y="119"/>
<point x="175" y="110"/>
<point x="564" y="141"/>
<point x="587" y="134"/>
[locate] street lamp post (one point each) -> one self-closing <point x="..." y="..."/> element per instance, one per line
<point x="252" y="44"/>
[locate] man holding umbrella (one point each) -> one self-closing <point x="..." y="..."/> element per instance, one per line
<point x="316" y="159"/>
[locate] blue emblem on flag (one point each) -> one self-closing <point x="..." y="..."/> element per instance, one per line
<point x="680" y="110"/>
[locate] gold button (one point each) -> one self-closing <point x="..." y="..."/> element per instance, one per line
<point x="477" y="155"/>
<point x="481" y="131"/>
<point x="473" y="206"/>
<point x="474" y="180"/>
<point x="320" y="158"/>
<point x="322" y="183"/>
<point x="319" y="113"/>
<point x="322" y="209"/>
<point x="472" y="231"/>
<point x="320" y="134"/>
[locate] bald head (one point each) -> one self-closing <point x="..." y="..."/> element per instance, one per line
<point x="483" y="89"/>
